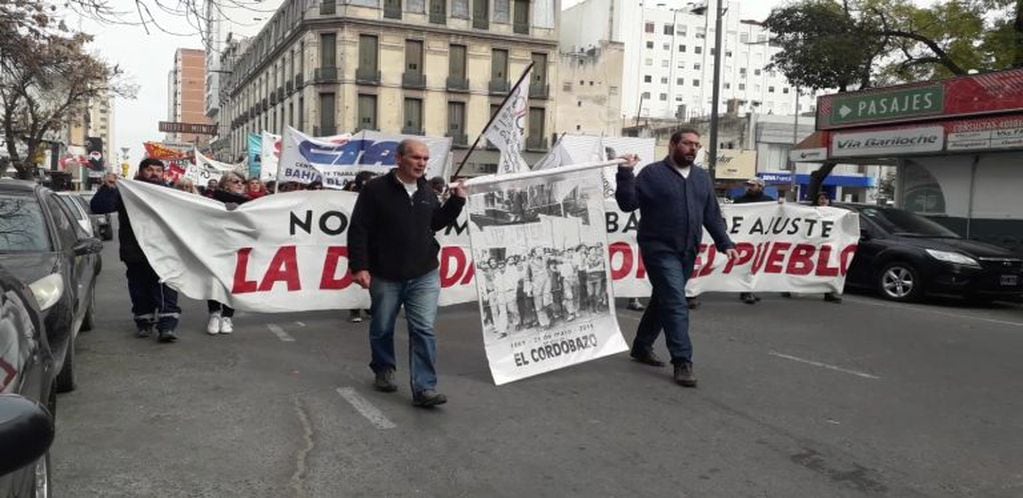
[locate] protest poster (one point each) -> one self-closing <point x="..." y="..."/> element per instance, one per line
<point x="280" y="253"/>
<point x="336" y="160"/>
<point x="269" y="156"/>
<point x="254" y="155"/>
<point x="543" y="279"/>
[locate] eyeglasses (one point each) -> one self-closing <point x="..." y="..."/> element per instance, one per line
<point x="234" y="180"/>
<point x="695" y="145"/>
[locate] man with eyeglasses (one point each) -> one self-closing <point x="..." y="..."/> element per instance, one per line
<point x="676" y="201"/>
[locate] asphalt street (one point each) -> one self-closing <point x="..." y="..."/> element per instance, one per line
<point x="797" y="397"/>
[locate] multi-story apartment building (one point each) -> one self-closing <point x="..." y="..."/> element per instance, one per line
<point x="186" y="94"/>
<point x="427" y="67"/>
<point x="589" y="94"/>
<point x="669" y="58"/>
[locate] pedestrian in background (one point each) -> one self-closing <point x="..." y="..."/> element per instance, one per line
<point x="676" y="202"/>
<point x="211" y="187"/>
<point x="230" y="191"/>
<point x="254" y="189"/>
<point x="393" y="253"/>
<point x="153" y="304"/>
<point x="822" y="200"/>
<point x="186" y="185"/>
<point x="754" y="193"/>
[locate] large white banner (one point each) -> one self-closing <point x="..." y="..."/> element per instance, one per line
<point x="544" y="285"/>
<point x="337" y="159"/>
<point x="287" y="252"/>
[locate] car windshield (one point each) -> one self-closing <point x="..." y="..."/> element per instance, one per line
<point x="899" y="222"/>
<point x="22" y="228"/>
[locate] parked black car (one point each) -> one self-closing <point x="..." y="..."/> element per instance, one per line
<point x="27" y="371"/>
<point x="43" y="247"/>
<point x="905" y="256"/>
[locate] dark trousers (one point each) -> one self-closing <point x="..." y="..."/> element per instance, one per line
<point x="152" y="303"/>
<point x="215" y="306"/>
<point x="668" y="273"/>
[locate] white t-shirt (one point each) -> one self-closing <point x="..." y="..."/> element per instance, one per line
<point x="683" y="171"/>
<point x="411" y="188"/>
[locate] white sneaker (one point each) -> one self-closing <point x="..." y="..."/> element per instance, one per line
<point x="213" y="327"/>
<point x="226" y="327"/>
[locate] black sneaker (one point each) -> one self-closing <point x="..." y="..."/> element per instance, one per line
<point x="694" y="303"/>
<point x="143" y="332"/>
<point x="684" y="375"/>
<point x="384" y="382"/>
<point x="648" y="358"/>
<point x="167" y="336"/>
<point x="831" y="297"/>
<point x="748" y="298"/>
<point x="428" y="398"/>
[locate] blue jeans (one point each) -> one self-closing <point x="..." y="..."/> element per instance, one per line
<point x="668" y="309"/>
<point x="419" y="296"/>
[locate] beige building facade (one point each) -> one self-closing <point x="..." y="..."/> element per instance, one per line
<point x="417" y="67"/>
<point x="589" y="90"/>
<point x="186" y="90"/>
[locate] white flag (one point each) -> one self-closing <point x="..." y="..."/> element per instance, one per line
<point x="269" y="156"/>
<point x="507" y="131"/>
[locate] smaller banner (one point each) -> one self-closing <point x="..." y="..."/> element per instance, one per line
<point x="336" y="160"/>
<point x="543" y="276"/>
<point x="507" y="130"/>
<point x="94" y="147"/>
<point x="270" y="155"/>
<point x="255" y="142"/>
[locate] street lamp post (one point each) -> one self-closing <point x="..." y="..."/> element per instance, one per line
<point x="719" y="13"/>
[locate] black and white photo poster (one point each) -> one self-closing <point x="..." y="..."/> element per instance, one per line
<point x="539" y="244"/>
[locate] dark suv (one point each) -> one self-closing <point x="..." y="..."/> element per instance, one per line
<point x="905" y="256"/>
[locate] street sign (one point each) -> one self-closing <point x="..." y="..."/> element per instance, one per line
<point x="891" y="142"/>
<point x="990" y="93"/>
<point x="193" y="128"/>
<point x="888" y="105"/>
<point x="985" y="134"/>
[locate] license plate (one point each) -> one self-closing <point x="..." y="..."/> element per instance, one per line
<point x="1010" y="280"/>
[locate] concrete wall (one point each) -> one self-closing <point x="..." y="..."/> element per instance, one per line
<point x="589" y="93"/>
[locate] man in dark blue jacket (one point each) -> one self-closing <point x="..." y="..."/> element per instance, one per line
<point x="152" y="303"/>
<point x="392" y="252"/>
<point x="676" y="201"/>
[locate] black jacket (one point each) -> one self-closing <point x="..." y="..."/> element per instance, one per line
<point x="225" y="197"/>
<point x="108" y="200"/>
<point x="747" y="197"/>
<point x="391" y="235"/>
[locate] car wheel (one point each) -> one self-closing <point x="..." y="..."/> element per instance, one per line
<point x="66" y="377"/>
<point x="90" y="312"/>
<point x="41" y="489"/>
<point x="899" y="281"/>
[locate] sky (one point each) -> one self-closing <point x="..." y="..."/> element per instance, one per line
<point x="147" y="58"/>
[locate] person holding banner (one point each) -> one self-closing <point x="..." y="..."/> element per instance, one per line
<point x="676" y="201"/>
<point x="152" y="303"/>
<point x="393" y="252"/>
<point x="231" y="190"/>
<point x="754" y="193"/>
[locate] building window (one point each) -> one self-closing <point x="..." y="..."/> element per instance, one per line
<point x="666" y="46"/>
<point x="649" y="62"/>
<point x="413" y="117"/>
<point x="649" y="27"/>
<point x="539" y="77"/>
<point x="502" y="11"/>
<point x="439" y="11"/>
<point x="697" y="66"/>
<point x="696" y="82"/>
<point x="520" y="15"/>
<point x="770" y="89"/>
<point x="536" y="126"/>
<point x="669" y="29"/>
<point x="367" y="113"/>
<point x="664" y="97"/>
<point x="327" y="124"/>
<point x="665" y="63"/>
<point x="785" y="90"/>
<point x="756" y="72"/>
<point x="481" y="14"/>
<point x="742" y="86"/>
<point x="649" y="44"/>
<point x="392" y="9"/>
<point x="742" y="72"/>
<point x="645" y="95"/>
<point x="728" y="53"/>
<point x="727" y="86"/>
<point x="697" y="50"/>
<point x="680" y="81"/>
<point x="367" y="53"/>
<point x="328" y="50"/>
<point x="664" y="80"/>
<point x="682" y="48"/>
<point x="648" y="79"/>
<point x="743" y="37"/>
<point x="701" y="33"/>
<point x="499" y="65"/>
<point x="414" y="56"/>
<point x="456" y="121"/>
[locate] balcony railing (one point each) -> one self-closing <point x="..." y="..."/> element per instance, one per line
<point x="480" y="22"/>
<point x="273" y="99"/>
<point x="410" y="79"/>
<point x="410" y="130"/>
<point x="299" y="81"/>
<point x="324" y="131"/>
<point x="499" y="87"/>
<point x="459" y="139"/>
<point x="536" y="143"/>
<point x="438" y="17"/>
<point x="280" y="94"/>
<point x="367" y="76"/>
<point x="521" y="28"/>
<point x="265" y="104"/>
<point x="539" y="91"/>
<point x="325" y="75"/>
<point x="328" y="8"/>
<point x="457" y="84"/>
<point x="289" y="87"/>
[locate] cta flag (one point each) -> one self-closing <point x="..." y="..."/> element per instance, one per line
<point x="507" y="130"/>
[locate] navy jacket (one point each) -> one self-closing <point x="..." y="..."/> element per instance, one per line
<point x="673" y="209"/>
<point x="108" y="200"/>
<point x="392" y="235"/>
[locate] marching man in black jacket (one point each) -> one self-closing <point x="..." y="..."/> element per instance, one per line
<point x="393" y="252"/>
<point x="152" y="303"/>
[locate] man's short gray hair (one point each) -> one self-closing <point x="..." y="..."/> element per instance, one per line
<point x="403" y="145"/>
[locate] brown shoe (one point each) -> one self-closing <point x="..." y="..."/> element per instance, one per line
<point x="648" y="358"/>
<point x="384" y="382"/>
<point x="684" y="375"/>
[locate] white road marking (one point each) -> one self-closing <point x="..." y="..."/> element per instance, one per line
<point x="300" y="324"/>
<point x="922" y="309"/>
<point x="365" y="408"/>
<point x="824" y="365"/>
<point x="279" y="332"/>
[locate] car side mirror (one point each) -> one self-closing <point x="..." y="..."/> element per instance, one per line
<point x="91" y="245"/>
<point x="26" y="432"/>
